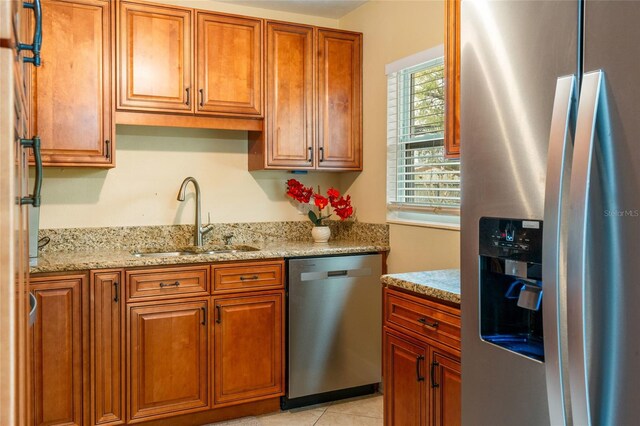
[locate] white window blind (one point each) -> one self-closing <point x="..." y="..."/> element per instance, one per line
<point x="419" y="177"/>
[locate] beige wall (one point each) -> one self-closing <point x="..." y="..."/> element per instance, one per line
<point x="392" y="30"/>
<point x="151" y="164"/>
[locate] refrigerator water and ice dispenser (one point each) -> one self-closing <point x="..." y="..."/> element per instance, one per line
<point x="511" y="285"/>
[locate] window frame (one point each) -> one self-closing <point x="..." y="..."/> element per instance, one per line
<point x="404" y="212"/>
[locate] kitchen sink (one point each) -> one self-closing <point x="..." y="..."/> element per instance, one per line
<point x="194" y="252"/>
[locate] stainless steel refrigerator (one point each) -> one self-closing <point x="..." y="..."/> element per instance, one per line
<point x="550" y="136"/>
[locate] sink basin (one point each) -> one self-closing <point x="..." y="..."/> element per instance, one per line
<point x="193" y="252"/>
<point x="163" y="253"/>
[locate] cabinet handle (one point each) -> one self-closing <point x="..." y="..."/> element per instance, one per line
<point x="310" y="154"/>
<point x="321" y="150"/>
<point x="34" y="144"/>
<point x="434" y="364"/>
<point x="176" y="284"/>
<point x="204" y="316"/>
<point x="251" y="278"/>
<point x="188" y="89"/>
<point x="107" y="149"/>
<point x="116" y="298"/>
<point x="218" y="314"/>
<point x="424" y="322"/>
<point x="37" y="34"/>
<point x="201" y="97"/>
<point x="418" y="359"/>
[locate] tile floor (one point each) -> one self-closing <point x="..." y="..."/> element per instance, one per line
<point x="360" y="411"/>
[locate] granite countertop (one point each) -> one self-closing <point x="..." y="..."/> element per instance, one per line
<point x="442" y="284"/>
<point x="101" y="258"/>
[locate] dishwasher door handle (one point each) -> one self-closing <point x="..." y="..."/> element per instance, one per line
<point x="336" y="273"/>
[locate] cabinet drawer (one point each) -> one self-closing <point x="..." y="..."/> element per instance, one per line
<point x="167" y="282"/>
<point x="248" y="276"/>
<point x="423" y="317"/>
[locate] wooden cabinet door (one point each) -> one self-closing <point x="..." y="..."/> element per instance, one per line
<point x="446" y="385"/>
<point x="155" y="57"/>
<point x="107" y="348"/>
<point x="248" y="348"/>
<point x="339" y="90"/>
<point x="168" y="370"/>
<point x="405" y="382"/>
<point x="60" y="350"/>
<point x="229" y="64"/>
<point x="72" y="88"/>
<point x="289" y="129"/>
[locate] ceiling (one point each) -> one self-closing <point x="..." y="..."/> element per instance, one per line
<point x="325" y="8"/>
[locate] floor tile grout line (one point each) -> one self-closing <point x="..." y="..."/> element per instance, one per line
<point x="346" y="414"/>
<point x="318" y="419"/>
<point x="356" y="415"/>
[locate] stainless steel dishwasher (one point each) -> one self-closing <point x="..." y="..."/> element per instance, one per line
<point x="334" y="328"/>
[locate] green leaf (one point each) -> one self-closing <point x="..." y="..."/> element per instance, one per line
<point x="314" y="218"/>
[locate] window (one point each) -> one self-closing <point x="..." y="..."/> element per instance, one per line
<point x="422" y="185"/>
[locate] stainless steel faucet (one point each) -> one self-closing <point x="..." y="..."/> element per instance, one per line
<point x="200" y="230"/>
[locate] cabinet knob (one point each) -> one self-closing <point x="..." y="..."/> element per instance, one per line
<point x="424" y="322"/>
<point x="218" y="314"/>
<point x="204" y="315"/>
<point x="116" y="296"/>
<point x="419" y="377"/>
<point x="251" y="278"/>
<point x="434" y="364"/>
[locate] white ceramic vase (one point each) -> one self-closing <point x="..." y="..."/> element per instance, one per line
<point x="321" y="234"/>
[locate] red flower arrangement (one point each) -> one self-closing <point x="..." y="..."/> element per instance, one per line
<point x="341" y="205"/>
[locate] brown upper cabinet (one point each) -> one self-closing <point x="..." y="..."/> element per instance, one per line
<point x="160" y="49"/>
<point x="452" y="77"/>
<point x="72" y="89"/>
<point x="229" y="64"/>
<point x="288" y="139"/>
<point x="155" y="56"/>
<point x="313" y="100"/>
<point x="142" y="63"/>
<point x="339" y="100"/>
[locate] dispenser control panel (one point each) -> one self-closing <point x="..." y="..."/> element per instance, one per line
<point x="511" y="286"/>
<point x="515" y="239"/>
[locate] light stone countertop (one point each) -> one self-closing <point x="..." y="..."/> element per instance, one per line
<point x="102" y="258"/>
<point x="442" y="284"/>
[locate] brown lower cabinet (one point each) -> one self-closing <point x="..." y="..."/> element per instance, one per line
<point x="248" y="347"/>
<point x="102" y="358"/>
<point x="60" y="350"/>
<point x="167" y="354"/>
<point x="422" y="376"/>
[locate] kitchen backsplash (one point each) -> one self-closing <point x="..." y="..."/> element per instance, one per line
<point x="172" y="236"/>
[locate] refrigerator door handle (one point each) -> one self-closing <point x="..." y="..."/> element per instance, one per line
<point x="590" y="101"/>
<point x="553" y="250"/>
